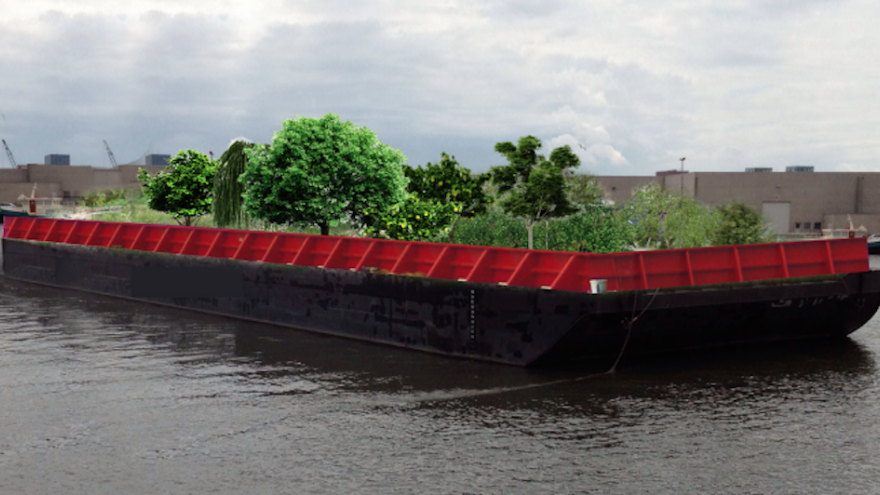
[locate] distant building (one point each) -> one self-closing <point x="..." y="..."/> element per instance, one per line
<point x="57" y="160"/>
<point x="71" y="182"/>
<point x="157" y="159"/>
<point x="799" y="168"/>
<point x="664" y="173"/>
<point x="759" y="169"/>
<point x="799" y="203"/>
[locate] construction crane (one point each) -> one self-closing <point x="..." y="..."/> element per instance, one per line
<point x="110" y="154"/>
<point x="9" y="154"/>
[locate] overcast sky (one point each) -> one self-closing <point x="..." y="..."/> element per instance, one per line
<point x="632" y="85"/>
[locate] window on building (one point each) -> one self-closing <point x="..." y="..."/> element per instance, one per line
<point x="797" y="226"/>
<point x="817" y="226"/>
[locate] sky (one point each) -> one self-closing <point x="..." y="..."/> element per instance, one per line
<point x="632" y="86"/>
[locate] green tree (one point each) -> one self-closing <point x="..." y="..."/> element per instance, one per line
<point x="228" y="190"/>
<point x="320" y="171"/>
<point x="533" y="188"/>
<point x="740" y="224"/>
<point x="448" y="183"/>
<point x="184" y="189"/>
<point x="664" y="220"/>
<point x="584" y="189"/>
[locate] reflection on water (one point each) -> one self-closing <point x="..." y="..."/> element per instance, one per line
<point x="106" y="396"/>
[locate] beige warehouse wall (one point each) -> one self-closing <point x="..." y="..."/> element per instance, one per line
<point x="619" y="188"/>
<point x="813" y="196"/>
<point x="75" y="180"/>
<point x="9" y="192"/>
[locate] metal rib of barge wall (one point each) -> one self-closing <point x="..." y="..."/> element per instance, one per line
<point x="514" y="325"/>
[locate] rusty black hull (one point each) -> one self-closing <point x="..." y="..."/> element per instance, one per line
<point x="512" y="325"/>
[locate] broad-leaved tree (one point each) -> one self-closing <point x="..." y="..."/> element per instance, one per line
<point x="184" y="189"/>
<point x="320" y="171"/>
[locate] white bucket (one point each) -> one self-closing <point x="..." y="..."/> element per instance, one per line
<point x="598" y="285"/>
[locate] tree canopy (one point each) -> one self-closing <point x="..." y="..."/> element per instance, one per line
<point x="740" y="224"/>
<point x="665" y="220"/>
<point x="533" y="188"/>
<point x="319" y="171"/>
<point x="184" y="189"/>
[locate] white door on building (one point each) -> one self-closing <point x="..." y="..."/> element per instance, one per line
<point x="778" y="215"/>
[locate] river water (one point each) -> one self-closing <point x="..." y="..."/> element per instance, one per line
<point x="103" y="396"/>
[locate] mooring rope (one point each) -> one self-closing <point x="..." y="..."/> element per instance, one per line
<point x="496" y="391"/>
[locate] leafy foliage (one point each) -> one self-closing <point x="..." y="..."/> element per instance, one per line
<point x="664" y="220"/>
<point x="448" y="184"/>
<point x="595" y="229"/>
<point x="413" y="219"/>
<point x="584" y="190"/>
<point x="493" y="228"/>
<point x="740" y="224"/>
<point x="531" y="187"/>
<point x="184" y="189"/>
<point x="319" y="171"/>
<point x="101" y="198"/>
<point x="228" y="190"/>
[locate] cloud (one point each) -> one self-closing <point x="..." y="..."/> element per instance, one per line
<point x="639" y="85"/>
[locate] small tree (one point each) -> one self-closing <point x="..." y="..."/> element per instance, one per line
<point x="448" y="183"/>
<point x="584" y="190"/>
<point x="184" y="189"/>
<point x="664" y="220"/>
<point x="319" y="171"/>
<point x="740" y="224"/>
<point x="533" y="188"/>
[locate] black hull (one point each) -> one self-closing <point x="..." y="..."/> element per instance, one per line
<point x="513" y="325"/>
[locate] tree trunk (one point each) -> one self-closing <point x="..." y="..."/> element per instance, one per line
<point x="325" y="228"/>
<point x="452" y="230"/>
<point x="547" y="234"/>
<point x="530" y="227"/>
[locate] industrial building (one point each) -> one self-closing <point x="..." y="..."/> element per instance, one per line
<point x="798" y="200"/>
<point x="65" y="181"/>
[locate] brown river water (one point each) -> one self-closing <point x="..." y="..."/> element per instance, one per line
<point x="104" y="396"/>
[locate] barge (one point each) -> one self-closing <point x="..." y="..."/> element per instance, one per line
<point x="514" y="306"/>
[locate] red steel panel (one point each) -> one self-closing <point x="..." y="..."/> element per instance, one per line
<point x="383" y="256"/>
<point x="667" y="268"/>
<point x="519" y="267"/>
<point x="417" y="259"/>
<point x="497" y="266"/>
<point x="762" y="262"/>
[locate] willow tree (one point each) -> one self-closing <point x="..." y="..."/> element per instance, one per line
<point x="228" y="190"/>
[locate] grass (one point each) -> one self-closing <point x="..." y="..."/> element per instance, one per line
<point x="135" y="210"/>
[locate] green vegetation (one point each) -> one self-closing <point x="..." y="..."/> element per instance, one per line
<point x="228" y="190"/>
<point x="320" y="171"/>
<point x="184" y="189"/>
<point x="740" y="224"/>
<point x="328" y="176"/>
<point x="108" y="197"/>
<point x="663" y="220"/>
<point x="438" y="196"/>
<point x="531" y="187"/>
<point x="596" y="229"/>
<point x="412" y="219"/>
